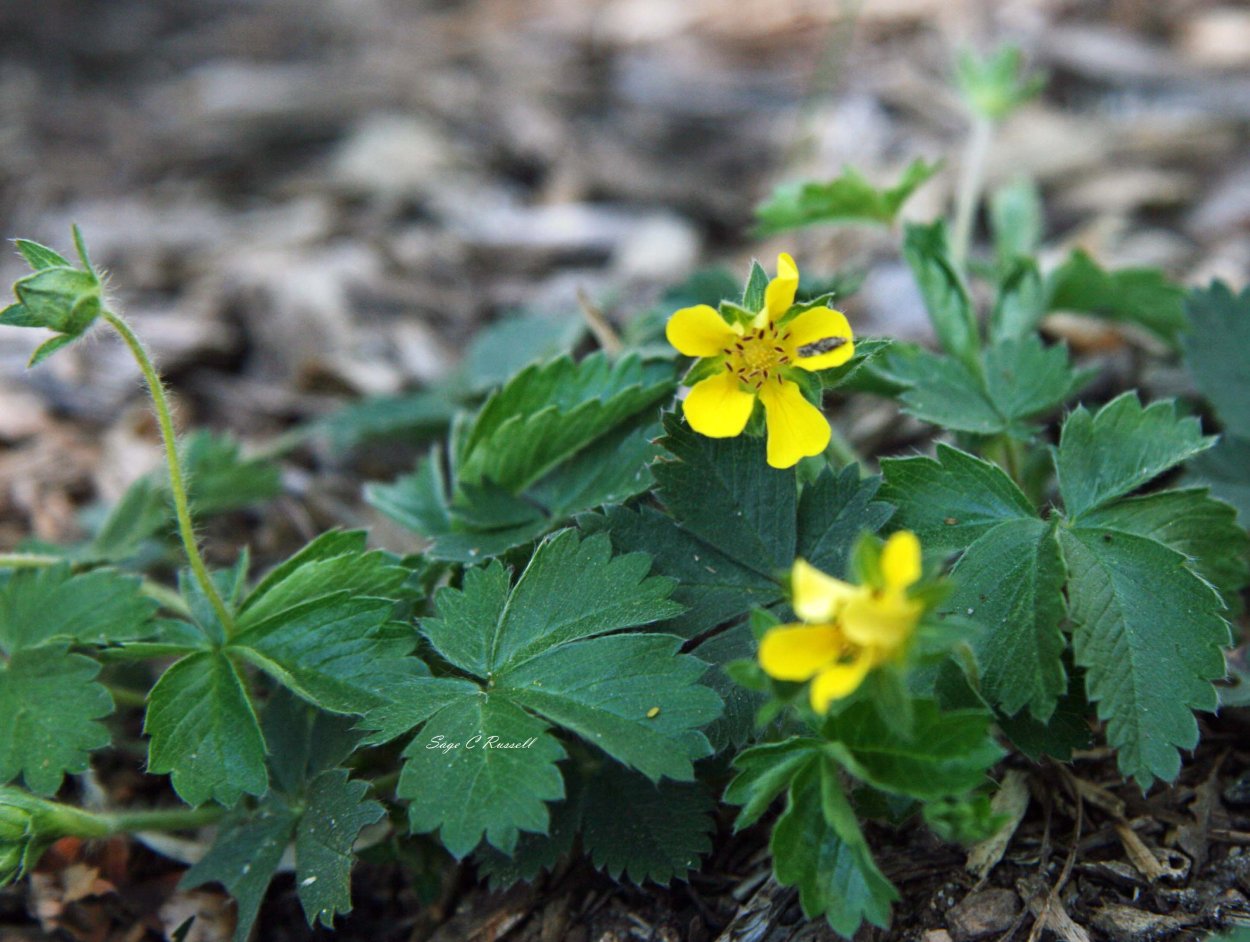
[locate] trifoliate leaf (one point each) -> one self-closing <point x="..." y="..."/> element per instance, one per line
<point x="335" y="812"/>
<point x="244" y="858"/>
<point x="52" y="604"/>
<point x="849" y="198"/>
<point x="481" y="767"/>
<point x="204" y="731"/>
<point x="1120" y="448"/>
<point x="1011" y="581"/>
<point x="943" y="290"/>
<point x="948" y="752"/>
<point x="817" y="846"/>
<point x="725" y="494"/>
<point x="51" y="704"/>
<point x="549" y="412"/>
<point x="1142" y="296"/>
<point x="535" y="853"/>
<point x="1193" y="524"/>
<point x="1215" y="351"/>
<point x="304" y="741"/>
<point x="1025" y="379"/>
<point x="1148" y="633"/>
<point x="952" y="500"/>
<point x="942" y="390"/>
<point x="663" y="835"/>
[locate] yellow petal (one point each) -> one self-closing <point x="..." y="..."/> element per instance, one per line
<point x="797" y="652"/>
<point x="718" y="407"/>
<point x="699" y="331"/>
<point x="883" y="620"/>
<point x="796" y="428"/>
<point x="900" y="560"/>
<point x="839" y="680"/>
<point x="821" y="329"/>
<point x="779" y="295"/>
<point x="817" y="597"/>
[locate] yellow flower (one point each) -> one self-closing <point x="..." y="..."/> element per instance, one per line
<point x="757" y="358"/>
<point x="847" y="629"/>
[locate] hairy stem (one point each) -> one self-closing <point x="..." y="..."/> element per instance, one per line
<point x="971" y="179"/>
<point x="160" y="819"/>
<point x="177" y="482"/>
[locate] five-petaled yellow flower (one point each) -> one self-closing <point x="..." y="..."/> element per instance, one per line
<point x="758" y="356"/>
<point x="848" y="629"/>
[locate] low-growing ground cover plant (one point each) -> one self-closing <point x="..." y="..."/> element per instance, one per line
<point x="657" y="578"/>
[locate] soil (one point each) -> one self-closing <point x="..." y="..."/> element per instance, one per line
<point x="301" y="204"/>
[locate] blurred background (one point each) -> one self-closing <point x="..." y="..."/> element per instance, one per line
<point x="300" y="203"/>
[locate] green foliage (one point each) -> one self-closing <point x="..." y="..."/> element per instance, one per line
<point x="1137" y="580"/>
<point x="559" y="438"/>
<point x="1141" y="296"/>
<point x="1017" y="221"/>
<point x="995" y="85"/>
<point x="547" y="651"/>
<point x="50" y="696"/>
<point x="1214" y="352"/>
<point x="56" y="296"/>
<point x="314" y="807"/>
<point x="848" y="198"/>
<point x="942" y="287"/>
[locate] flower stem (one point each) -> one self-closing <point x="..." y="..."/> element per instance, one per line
<point x="27" y="561"/>
<point x="160" y="819"/>
<point x="971" y="179"/>
<point x="177" y="485"/>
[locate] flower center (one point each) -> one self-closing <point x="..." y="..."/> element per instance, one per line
<point x="760" y="353"/>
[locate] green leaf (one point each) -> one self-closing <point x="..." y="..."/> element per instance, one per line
<point x="765" y="773"/>
<point x="1142" y="296"/>
<point x="942" y="287"/>
<point x="504" y="348"/>
<point x="835" y="510"/>
<point x="948" y="752"/>
<point x="1226" y="468"/>
<point x="1203" y="530"/>
<point x="244" y="858"/>
<point x="40" y="256"/>
<point x="204" y="731"/>
<point x="723" y="492"/>
<point x="412" y="416"/>
<point x="633" y="696"/>
<point x="334" y="562"/>
<point x="481" y="767"/>
<point x="755" y="290"/>
<point x="334" y="814"/>
<point x="1120" y="448"/>
<point x="1215" y="351"/>
<point x="42" y="605"/>
<point x="1025" y="379"/>
<point x="829" y="860"/>
<point x="1020" y="303"/>
<point x="952" y="500"/>
<point x="219" y="478"/>
<point x="1148" y="633"/>
<point x="1011" y="581"/>
<point x="942" y="390"/>
<point x="1017" y="221"/>
<point x="848" y="198"/>
<point x="51" y="704"/>
<point x="548" y="412"/>
<point x="995" y="85"/>
<point x="666" y="831"/>
<point x="336" y="652"/>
